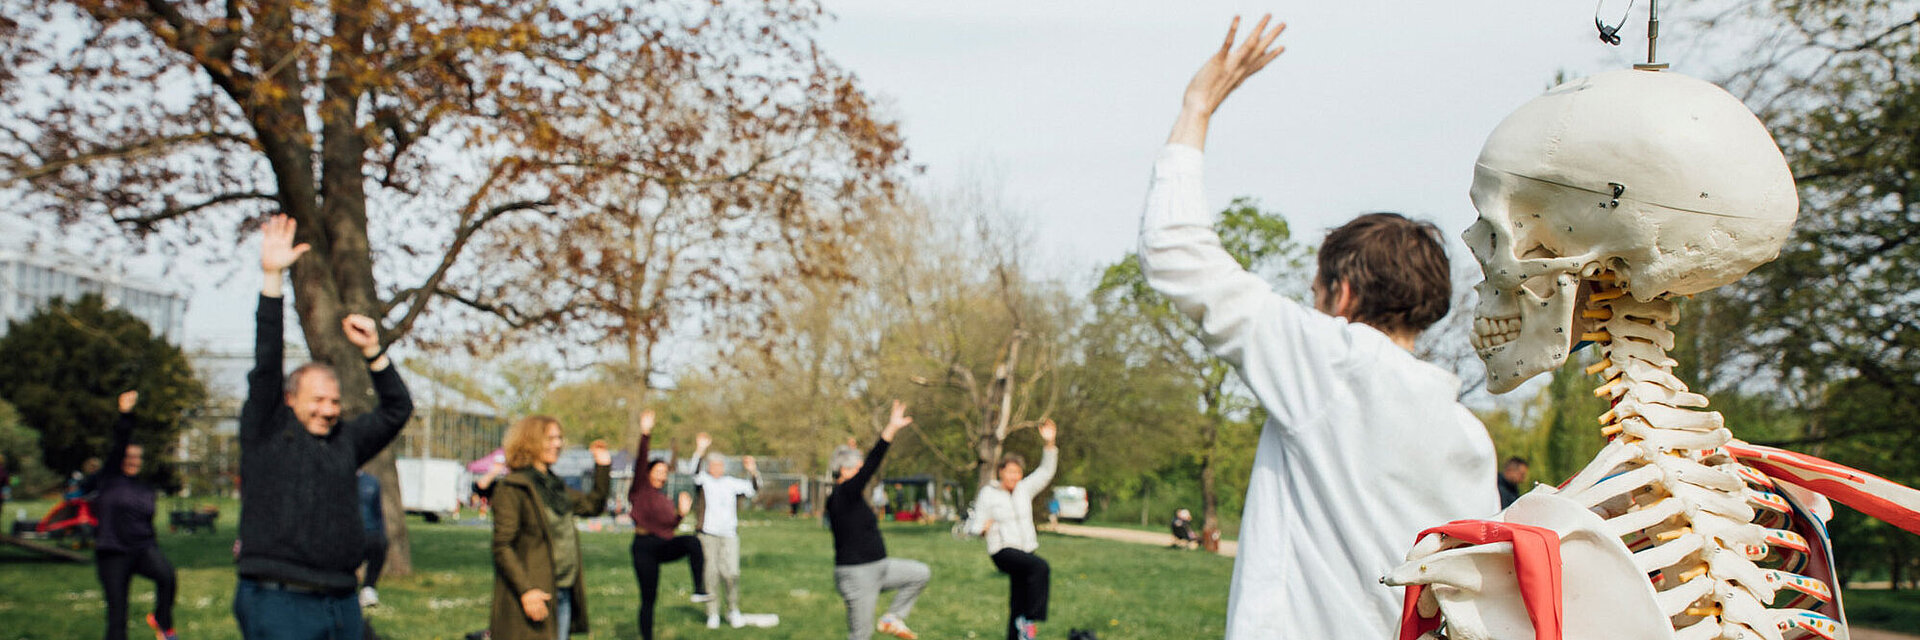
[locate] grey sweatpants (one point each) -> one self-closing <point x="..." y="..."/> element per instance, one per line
<point x="860" y="585"/>
<point x="723" y="568"/>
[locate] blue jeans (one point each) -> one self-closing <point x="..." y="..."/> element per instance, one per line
<point x="563" y="613"/>
<point x="273" y="614"/>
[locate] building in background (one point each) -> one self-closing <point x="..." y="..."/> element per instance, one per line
<point x="32" y="274"/>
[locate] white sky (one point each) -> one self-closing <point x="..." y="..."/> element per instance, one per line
<point x="1376" y="105"/>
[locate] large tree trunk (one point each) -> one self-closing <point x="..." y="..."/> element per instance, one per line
<point x="1209" y="496"/>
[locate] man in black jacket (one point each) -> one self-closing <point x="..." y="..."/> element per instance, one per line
<point x="300" y="537"/>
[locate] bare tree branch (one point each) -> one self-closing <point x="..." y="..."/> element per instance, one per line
<point x="146" y="222"/>
<point x="427" y="290"/>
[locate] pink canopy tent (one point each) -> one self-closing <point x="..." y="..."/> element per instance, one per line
<point x="486" y="462"/>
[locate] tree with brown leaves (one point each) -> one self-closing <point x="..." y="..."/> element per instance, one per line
<point x="400" y="134"/>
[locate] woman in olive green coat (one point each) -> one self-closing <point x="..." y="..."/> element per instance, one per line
<point x="539" y="590"/>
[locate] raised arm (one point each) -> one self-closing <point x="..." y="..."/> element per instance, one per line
<point x="594" y="501"/>
<point x="640" y="485"/>
<point x="753" y="473"/>
<point x="1279" y="346"/>
<point x="1042" y="475"/>
<point x="375" y="430"/>
<point x="264" y="392"/>
<point x="122" y="432"/>
<point x="895" y="422"/>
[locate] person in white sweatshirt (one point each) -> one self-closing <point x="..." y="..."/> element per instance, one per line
<point x="1003" y="514"/>
<point x="1364" y="445"/>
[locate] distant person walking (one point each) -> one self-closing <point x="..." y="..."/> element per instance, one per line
<point x="861" y="568"/>
<point x="1003" y="513"/>
<point x="374" y="524"/>
<point x="125" y="545"/>
<point x="1513" y="475"/>
<point x="539" y="575"/>
<point x="793" y="500"/>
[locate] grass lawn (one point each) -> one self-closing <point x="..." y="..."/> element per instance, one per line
<point x="1120" y="590"/>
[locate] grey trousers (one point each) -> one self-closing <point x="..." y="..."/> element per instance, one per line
<point x="860" y="585"/>
<point x="723" y="568"/>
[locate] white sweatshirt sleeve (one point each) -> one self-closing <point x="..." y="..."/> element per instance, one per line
<point x="1283" y="351"/>
<point x="1031" y="485"/>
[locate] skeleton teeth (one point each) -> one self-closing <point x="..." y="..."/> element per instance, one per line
<point x="1493" y="332"/>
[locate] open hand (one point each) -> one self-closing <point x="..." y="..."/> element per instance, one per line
<point x="899" y="420"/>
<point x="601" y="456"/>
<point x="702" y="441"/>
<point x="1048" y="431"/>
<point x="277" y="250"/>
<point x="686" y="502"/>
<point x="1220" y="75"/>
<point x="752" y="469"/>
<point x="362" y="332"/>
<point x="534" y="602"/>
<point x="127" y="400"/>
<point x="646" y="422"/>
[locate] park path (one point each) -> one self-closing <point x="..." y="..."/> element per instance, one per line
<point x="1229" y="547"/>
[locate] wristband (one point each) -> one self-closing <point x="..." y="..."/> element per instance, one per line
<point x="379" y="354"/>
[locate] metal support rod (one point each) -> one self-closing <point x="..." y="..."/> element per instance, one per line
<point x="1653" y="29"/>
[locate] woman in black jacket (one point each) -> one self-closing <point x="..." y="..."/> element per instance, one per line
<point x="125" y="545"/>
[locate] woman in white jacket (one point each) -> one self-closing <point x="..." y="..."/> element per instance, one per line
<point x="1003" y="513"/>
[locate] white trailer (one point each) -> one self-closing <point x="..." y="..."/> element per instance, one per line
<point x="433" y="487"/>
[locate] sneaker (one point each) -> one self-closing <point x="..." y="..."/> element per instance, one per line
<point x="158" y="633"/>
<point x="369" y="598"/>
<point x="1028" y="629"/>
<point x="734" y="620"/>
<point x="701" y="597"/>
<point x="713" y="621"/>
<point x="895" y="627"/>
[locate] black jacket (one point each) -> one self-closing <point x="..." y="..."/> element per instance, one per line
<point x="299" y="500"/>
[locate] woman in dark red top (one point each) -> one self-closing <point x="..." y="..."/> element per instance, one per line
<point x="655" y="517"/>
<point x="125" y="545"/>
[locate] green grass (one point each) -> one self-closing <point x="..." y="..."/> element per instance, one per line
<point x="1121" y="590"/>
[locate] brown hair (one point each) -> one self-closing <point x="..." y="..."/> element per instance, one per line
<point x="1395" y="268"/>
<point x="1012" y="458"/>
<point x="525" y="439"/>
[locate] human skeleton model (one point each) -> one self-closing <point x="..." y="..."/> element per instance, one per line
<point x="1610" y="196"/>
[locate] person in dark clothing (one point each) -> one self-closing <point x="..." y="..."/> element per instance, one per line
<point x="1183" y="534"/>
<point x="124" y="545"/>
<point x="654" y="519"/>
<point x="861" y="568"/>
<point x="373" y="524"/>
<point x="1511" y="475"/>
<point x="300" y="530"/>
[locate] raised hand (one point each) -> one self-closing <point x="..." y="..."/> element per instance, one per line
<point x="127" y="400"/>
<point x="702" y="441"/>
<point x="752" y="469"/>
<point x="601" y="456"/>
<point x="646" y="422"/>
<point x="1048" y="431"/>
<point x="686" y="503"/>
<point x="1220" y="75"/>
<point x="277" y="250"/>
<point x="534" y="602"/>
<point x="362" y="332"/>
<point x="899" y="420"/>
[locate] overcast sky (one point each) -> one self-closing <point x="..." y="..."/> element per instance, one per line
<point x="1376" y="105"/>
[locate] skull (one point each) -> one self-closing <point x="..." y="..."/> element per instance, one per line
<point x="1665" y="181"/>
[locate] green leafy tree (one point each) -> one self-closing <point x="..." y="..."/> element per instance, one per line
<point x="1263" y="243"/>
<point x="68" y="362"/>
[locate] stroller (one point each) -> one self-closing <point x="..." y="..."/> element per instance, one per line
<point x="70" y="523"/>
